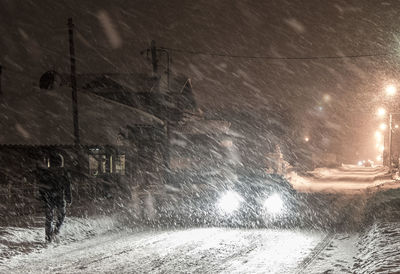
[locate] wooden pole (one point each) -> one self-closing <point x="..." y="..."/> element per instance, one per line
<point x="73" y="82"/>
<point x="390" y="141"/>
<point x="154" y="60"/>
<point x="1" y="91"/>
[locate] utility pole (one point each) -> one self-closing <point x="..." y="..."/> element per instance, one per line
<point x="154" y="60"/>
<point x="1" y="72"/>
<point x="390" y="141"/>
<point x="73" y="82"/>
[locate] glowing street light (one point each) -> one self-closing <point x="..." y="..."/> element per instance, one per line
<point x="390" y="90"/>
<point x="378" y="136"/>
<point x="326" y="98"/>
<point x="381" y="112"/>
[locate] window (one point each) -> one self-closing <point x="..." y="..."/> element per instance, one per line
<point x="93" y="165"/>
<point x="120" y="164"/>
<point x="106" y="164"/>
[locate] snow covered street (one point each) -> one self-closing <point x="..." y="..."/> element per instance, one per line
<point x="200" y="137"/>
<point x="345" y="179"/>
<point x="103" y="246"/>
<point x="197" y="250"/>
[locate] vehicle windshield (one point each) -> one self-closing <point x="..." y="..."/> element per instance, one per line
<point x="203" y="136"/>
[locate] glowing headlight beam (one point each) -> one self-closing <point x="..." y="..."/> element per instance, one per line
<point x="273" y="204"/>
<point x="229" y="202"/>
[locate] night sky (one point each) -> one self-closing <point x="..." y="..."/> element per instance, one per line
<point x="111" y="34"/>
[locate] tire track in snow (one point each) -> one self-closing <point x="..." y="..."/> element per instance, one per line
<point x="307" y="261"/>
<point x="317" y="250"/>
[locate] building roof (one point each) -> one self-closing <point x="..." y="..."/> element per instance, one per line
<point x="202" y="126"/>
<point x="125" y="82"/>
<point x="105" y="82"/>
<point x="44" y="117"/>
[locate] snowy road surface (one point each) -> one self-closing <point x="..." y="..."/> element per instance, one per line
<point x="345" y="179"/>
<point x="215" y="250"/>
<point x="197" y="250"/>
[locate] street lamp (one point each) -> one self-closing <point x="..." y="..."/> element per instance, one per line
<point x="382" y="127"/>
<point x="390" y="90"/>
<point x="381" y="112"/>
<point x="326" y="98"/>
<point x="378" y="136"/>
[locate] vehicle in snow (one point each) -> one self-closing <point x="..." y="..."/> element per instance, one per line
<point x="257" y="198"/>
<point x="209" y="185"/>
<point x="246" y="198"/>
<point x="366" y="163"/>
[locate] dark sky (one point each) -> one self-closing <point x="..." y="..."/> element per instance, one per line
<point x="34" y="39"/>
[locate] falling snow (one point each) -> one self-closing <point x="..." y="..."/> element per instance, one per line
<point x="199" y="136"/>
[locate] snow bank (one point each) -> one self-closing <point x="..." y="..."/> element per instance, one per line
<point x="379" y="249"/>
<point x="16" y="240"/>
<point x="378" y="245"/>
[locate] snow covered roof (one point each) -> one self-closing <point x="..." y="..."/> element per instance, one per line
<point x="118" y="81"/>
<point x="127" y="82"/>
<point x="44" y="117"/>
<point x="202" y="126"/>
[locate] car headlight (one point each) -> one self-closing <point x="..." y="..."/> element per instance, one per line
<point x="274" y="204"/>
<point x="229" y="202"/>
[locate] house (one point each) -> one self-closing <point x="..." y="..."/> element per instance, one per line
<point x="118" y="143"/>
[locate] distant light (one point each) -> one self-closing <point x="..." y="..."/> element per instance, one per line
<point x="396" y="126"/>
<point x="326" y="98"/>
<point x="381" y="112"/>
<point x="227" y="143"/>
<point x="306" y="139"/>
<point x="320" y="108"/>
<point x="360" y="163"/>
<point x="378" y="136"/>
<point x="382" y="126"/>
<point x="390" y="90"/>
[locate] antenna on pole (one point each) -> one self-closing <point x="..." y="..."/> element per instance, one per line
<point x="154" y="61"/>
<point x="73" y="82"/>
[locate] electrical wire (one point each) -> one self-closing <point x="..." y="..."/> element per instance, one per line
<point x="89" y="45"/>
<point x="219" y="54"/>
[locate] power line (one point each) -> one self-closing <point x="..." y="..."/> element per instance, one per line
<point x="218" y="54"/>
<point x="81" y="36"/>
